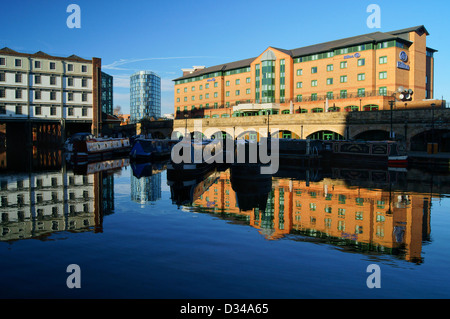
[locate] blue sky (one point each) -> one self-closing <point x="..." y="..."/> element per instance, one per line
<point x="166" y="36"/>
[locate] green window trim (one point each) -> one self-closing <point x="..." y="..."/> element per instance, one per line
<point x="382" y="91"/>
<point x="382" y="60"/>
<point x="361" y="92"/>
<point x="361" y="62"/>
<point x="382" y="75"/>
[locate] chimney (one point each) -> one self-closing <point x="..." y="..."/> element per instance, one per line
<point x="193" y="69"/>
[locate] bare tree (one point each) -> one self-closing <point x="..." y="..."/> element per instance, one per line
<point x="117" y="110"/>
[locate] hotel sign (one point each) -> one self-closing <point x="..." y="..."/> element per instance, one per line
<point x="402" y="65"/>
<point x="404" y="58"/>
<point x="356" y="55"/>
<point x="210" y="80"/>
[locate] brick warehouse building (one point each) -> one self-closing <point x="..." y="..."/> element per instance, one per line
<point x="361" y="73"/>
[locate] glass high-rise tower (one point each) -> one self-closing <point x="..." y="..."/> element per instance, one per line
<point x="145" y="95"/>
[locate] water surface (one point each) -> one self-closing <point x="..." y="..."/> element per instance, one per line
<point x="144" y="232"/>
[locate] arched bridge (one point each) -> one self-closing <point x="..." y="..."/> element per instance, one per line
<point x="415" y="127"/>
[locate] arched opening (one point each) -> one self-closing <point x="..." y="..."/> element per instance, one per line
<point x="249" y="135"/>
<point x="285" y="134"/>
<point x="325" y="136"/>
<point x="351" y="108"/>
<point x="373" y="135"/>
<point x="334" y="109"/>
<point x="198" y="135"/>
<point x="371" y="107"/>
<point x="317" y="110"/>
<point x="420" y="141"/>
<point x="222" y="135"/>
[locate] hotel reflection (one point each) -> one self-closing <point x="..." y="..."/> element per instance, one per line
<point x="361" y="219"/>
<point x="34" y="205"/>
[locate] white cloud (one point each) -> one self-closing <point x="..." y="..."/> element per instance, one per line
<point x="121" y="81"/>
<point x="116" y="65"/>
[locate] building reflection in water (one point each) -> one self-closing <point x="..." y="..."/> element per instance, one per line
<point x="146" y="182"/>
<point x="380" y="218"/>
<point x="36" y="203"/>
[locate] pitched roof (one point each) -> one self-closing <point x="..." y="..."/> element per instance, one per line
<point x="416" y="28"/>
<point x="317" y="48"/>
<point x="351" y="41"/>
<point x="73" y="57"/>
<point x="41" y="53"/>
<point x="7" y="50"/>
<point x="221" y="67"/>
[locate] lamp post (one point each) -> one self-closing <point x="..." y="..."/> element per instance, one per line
<point x="185" y="127"/>
<point x="432" y="123"/>
<point x="391" y="134"/>
<point x="268" y="119"/>
<point x="360" y="105"/>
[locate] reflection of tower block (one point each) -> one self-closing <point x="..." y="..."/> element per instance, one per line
<point x="138" y="128"/>
<point x="405" y="94"/>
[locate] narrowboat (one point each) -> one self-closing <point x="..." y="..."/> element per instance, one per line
<point x="195" y="156"/>
<point x="146" y="149"/>
<point x="84" y="147"/>
<point x="386" y="153"/>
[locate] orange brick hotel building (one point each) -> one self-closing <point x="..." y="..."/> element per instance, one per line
<point x="360" y="73"/>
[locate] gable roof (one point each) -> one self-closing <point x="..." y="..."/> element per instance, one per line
<point x="7" y="50"/>
<point x="42" y="54"/>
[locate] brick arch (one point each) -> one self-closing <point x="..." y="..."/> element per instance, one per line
<point x="416" y="131"/>
<point x="382" y="137"/>
<point x="325" y="129"/>
<point x="354" y="131"/>
<point x="277" y="133"/>
<point x="308" y="131"/>
<point x="242" y="134"/>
